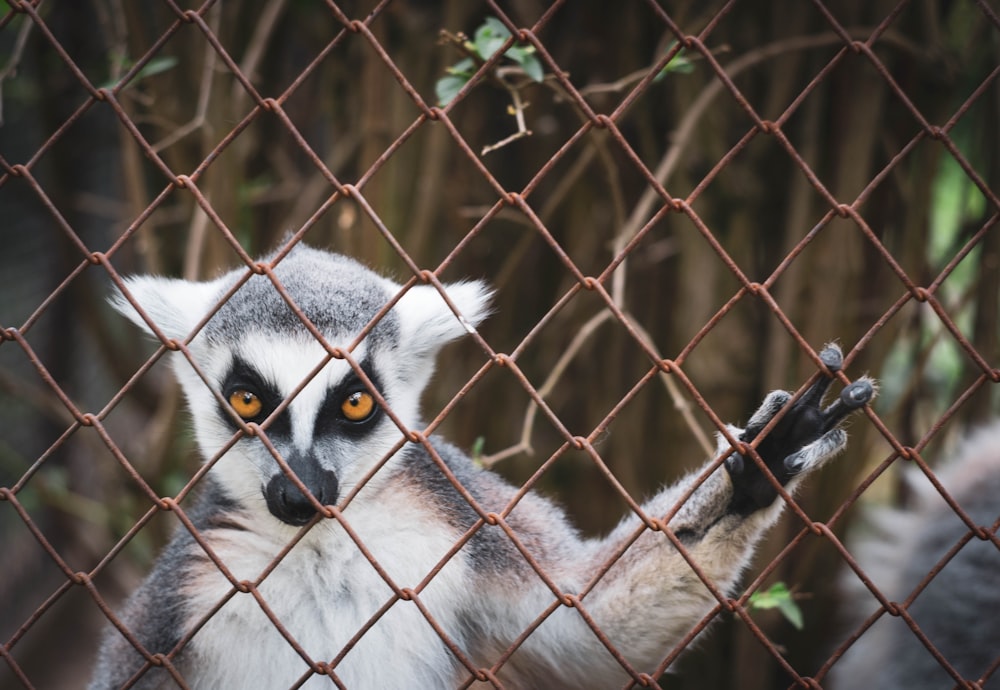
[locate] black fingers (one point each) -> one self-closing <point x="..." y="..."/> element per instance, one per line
<point x="854" y="396"/>
<point x="834" y="361"/>
<point x="858" y="394"/>
<point x="832" y="358"/>
<point x="802" y="423"/>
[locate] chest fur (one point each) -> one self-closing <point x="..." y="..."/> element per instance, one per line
<point x="326" y="602"/>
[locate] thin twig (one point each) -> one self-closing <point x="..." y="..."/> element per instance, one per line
<point x="681" y="403"/>
<point x="683" y="135"/>
<point x="641" y="213"/>
<point x="581" y="337"/>
<point x="262" y="33"/>
<point x="199" y="119"/>
<point x="518" y="108"/>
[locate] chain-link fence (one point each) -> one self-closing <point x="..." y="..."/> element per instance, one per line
<point x="676" y="205"/>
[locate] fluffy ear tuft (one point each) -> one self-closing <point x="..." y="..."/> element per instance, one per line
<point x="174" y="305"/>
<point x="427" y="320"/>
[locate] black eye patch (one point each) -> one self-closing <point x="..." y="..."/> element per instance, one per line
<point x="243" y="378"/>
<point x="332" y="419"/>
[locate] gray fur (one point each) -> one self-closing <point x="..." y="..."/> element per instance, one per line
<point x="959" y="611"/>
<point x="408" y="515"/>
<point x="317" y="279"/>
<point x="160" y="598"/>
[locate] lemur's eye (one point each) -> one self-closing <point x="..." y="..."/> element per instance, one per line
<point x="358" y="406"/>
<point x="246" y="403"/>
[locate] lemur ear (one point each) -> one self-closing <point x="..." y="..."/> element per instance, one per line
<point x="428" y="322"/>
<point x="175" y="306"/>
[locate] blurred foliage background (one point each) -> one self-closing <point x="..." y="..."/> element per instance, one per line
<point x="93" y="182"/>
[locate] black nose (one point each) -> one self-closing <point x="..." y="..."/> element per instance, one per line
<point x="287" y="503"/>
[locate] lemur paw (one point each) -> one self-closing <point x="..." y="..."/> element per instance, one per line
<point x="802" y="440"/>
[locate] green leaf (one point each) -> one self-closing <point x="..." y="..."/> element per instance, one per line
<point x="490" y="36"/>
<point x="496" y="26"/>
<point x="525" y="57"/>
<point x="679" y="64"/>
<point x="791" y="611"/>
<point x="448" y="87"/>
<point x="778" y="597"/>
<point x="477" y="450"/>
<point x="463" y="68"/>
<point x="156" y="66"/>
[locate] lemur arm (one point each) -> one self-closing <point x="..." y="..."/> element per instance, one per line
<point x="651" y="597"/>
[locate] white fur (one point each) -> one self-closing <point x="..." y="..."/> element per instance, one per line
<point x="406" y="548"/>
<point x="174" y="306"/>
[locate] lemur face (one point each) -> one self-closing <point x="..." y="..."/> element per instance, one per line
<point x="315" y="401"/>
<point x="318" y="414"/>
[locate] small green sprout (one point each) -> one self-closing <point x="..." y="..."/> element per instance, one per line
<point x="779" y="597"/>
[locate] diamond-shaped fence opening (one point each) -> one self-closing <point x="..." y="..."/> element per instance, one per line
<point x="675" y="208"/>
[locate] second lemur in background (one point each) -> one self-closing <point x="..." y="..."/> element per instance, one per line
<point x="959" y="610"/>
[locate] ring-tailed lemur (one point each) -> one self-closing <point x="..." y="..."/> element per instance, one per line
<point x="957" y="610"/>
<point x="256" y="361"/>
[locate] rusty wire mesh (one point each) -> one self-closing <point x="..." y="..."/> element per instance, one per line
<point x="595" y="276"/>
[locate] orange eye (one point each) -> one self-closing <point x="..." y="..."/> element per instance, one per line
<point x="358" y="406"/>
<point x="246" y="404"/>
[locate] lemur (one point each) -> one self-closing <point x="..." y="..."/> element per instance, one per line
<point x="957" y="610"/>
<point x="340" y="428"/>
